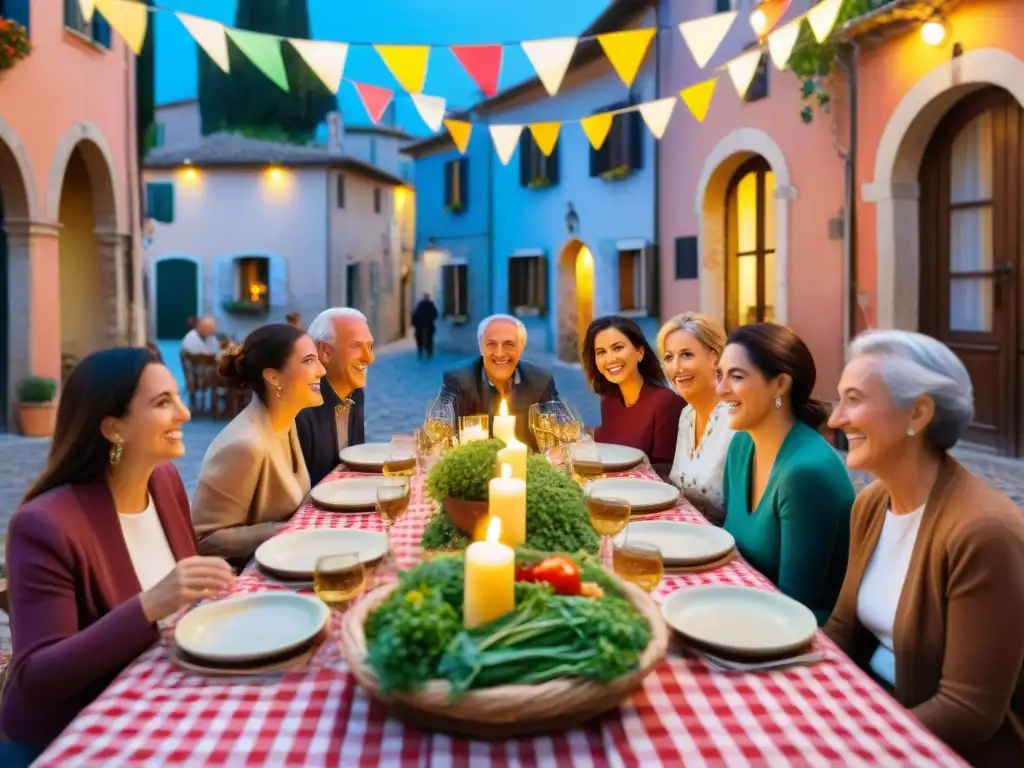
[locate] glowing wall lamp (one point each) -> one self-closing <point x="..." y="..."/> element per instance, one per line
<point x="933" y="31"/>
<point x="188" y="172"/>
<point x="274" y="173"/>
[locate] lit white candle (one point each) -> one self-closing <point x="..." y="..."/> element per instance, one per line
<point x="514" y="454"/>
<point x="507" y="501"/>
<point x="490" y="579"/>
<point x="504" y="425"/>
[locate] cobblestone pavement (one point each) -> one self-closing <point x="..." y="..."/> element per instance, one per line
<point x="400" y="386"/>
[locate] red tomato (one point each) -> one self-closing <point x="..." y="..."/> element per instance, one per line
<point x="561" y="573"/>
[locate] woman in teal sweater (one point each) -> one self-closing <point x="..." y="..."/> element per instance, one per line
<point x="787" y="493"/>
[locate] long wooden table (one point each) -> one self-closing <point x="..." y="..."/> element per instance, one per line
<point x="828" y="714"/>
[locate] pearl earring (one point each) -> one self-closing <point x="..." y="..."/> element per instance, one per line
<point x="778" y="401"/>
<point x="911" y="432"/>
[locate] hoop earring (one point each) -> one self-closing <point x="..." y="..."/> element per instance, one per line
<point x="116" y="450"/>
<point x="778" y="402"/>
<point x="279" y="390"/>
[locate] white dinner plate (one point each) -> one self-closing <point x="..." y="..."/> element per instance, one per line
<point x="618" y="458"/>
<point x="250" y="627"/>
<point x="371" y="456"/>
<point x="355" y="494"/>
<point x="681" y="544"/>
<point x="742" y="621"/>
<point x="644" y="496"/>
<point x="293" y="554"/>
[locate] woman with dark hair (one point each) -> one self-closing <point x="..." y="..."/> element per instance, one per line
<point x="254" y="476"/>
<point x="786" y="491"/>
<point x="637" y="408"/>
<point x="101" y="548"/>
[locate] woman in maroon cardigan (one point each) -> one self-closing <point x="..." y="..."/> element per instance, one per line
<point x="102" y="547"/>
<point x="637" y="407"/>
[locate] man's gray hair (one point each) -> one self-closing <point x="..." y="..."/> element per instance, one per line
<point x="322" y="327"/>
<point x="486" y="323"/>
<point x="915" y="365"/>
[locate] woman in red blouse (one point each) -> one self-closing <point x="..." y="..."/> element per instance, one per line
<point x="637" y="407"/>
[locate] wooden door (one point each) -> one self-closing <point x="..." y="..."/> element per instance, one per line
<point x="971" y="256"/>
<point x="177" y="297"/>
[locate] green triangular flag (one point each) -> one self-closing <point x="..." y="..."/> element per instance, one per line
<point x="264" y="51"/>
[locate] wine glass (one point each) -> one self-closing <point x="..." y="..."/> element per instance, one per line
<point x="339" y="579"/>
<point x="543" y="424"/>
<point x="402" y="457"/>
<point x="393" y="497"/>
<point x="608" y="516"/>
<point x="638" y="562"/>
<point x="585" y="460"/>
<point x="440" y="422"/>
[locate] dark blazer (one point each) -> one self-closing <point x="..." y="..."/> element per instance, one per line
<point x="318" y="431"/>
<point x="473" y="395"/>
<point x="76" y="616"/>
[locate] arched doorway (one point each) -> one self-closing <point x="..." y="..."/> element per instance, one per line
<point x="973" y="255"/>
<point x="575" y="298"/>
<point x="750" y="245"/>
<point x="177" y="283"/>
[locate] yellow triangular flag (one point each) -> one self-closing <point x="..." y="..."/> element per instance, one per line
<point x="626" y="51"/>
<point x="781" y="42"/>
<point x="408" y="63"/>
<point x="596" y="127"/>
<point x="460" y="132"/>
<point x="698" y="98"/>
<point x="550" y="59"/>
<point x="128" y="19"/>
<point x="704" y="35"/>
<point x="87" y="7"/>
<point x="657" y="113"/>
<point x="506" y="139"/>
<point x="326" y="59"/>
<point x="431" y="109"/>
<point x="742" y="70"/>
<point x="822" y="18"/>
<point x="546" y="135"/>
<point x="210" y="37"/>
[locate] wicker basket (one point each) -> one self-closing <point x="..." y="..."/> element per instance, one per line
<point x="507" y="711"/>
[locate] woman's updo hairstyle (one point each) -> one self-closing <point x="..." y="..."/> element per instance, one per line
<point x="775" y="350"/>
<point x="269" y="346"/>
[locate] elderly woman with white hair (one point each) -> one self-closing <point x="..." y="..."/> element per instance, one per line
<point x="933" y="599"/>
<point x="498" y="374"/>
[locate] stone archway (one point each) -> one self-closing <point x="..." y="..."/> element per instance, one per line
<point x="895" y="190"/>
<point x="575" y="298"/>
<point x="718" y="171"/>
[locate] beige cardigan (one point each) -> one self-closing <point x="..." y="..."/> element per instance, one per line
<point x="247" y="486"/>
<point x="958" y="636"/>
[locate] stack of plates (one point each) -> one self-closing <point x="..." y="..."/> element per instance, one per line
<point x="350" y="494"/>
<point x="682" y="545"/>
<point x="370" y="457"/>
<point x="292" y="556"/>
<point x="645" y="497"/>
<point x="263" y="632"/>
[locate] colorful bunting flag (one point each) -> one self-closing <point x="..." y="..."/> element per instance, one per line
<point x="87" y="7"/>
<point x="431" y="109"/>
<point x="822" y="18"/>
<point x="210" y="36"/>
<point x="460" y="132"/>
<point x="782" y="41"/>
<point x="626" y="50"/>
<point x="742" y="70"/>
<point x="550" y="59"/>
<point x="482" y="63"/>
<point x="546" y="136"/>
<point x="506" y="139"/>
<point x="408" y="63"/>
<point x="596" y="128"/>
<point x="327" y="60"/>
<point x="375" y="99"/>
<point x="767" y="15"/>
<point x="657" y="114"/>
<point x="698" y="98"/>
<point x="128" y="19"/>
<point x="704" y="35"/>
<point x="264" y="51"/>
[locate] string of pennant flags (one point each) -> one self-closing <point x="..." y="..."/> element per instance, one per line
<point x="550" y="58"/>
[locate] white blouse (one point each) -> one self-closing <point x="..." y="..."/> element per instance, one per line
<point x="147" y="544"/>
<point x="698" y="470"/>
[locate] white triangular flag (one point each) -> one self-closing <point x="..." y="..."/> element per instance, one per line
<point x="431" y="109"/>
<point x="704" y="35"/>
<point x="210" y="37"/>
<point x="742" y="70"/>
<point x="657" y="113"/>
<point x="822" y="18"/>
<point x="506" y="139"/>
<point x="550" y="58"/>
<point x="326" y="59"/>
<point x="781" y="42"/>
<point x="87" y="7"/>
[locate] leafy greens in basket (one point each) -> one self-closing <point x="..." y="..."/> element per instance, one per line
<point x="416" y="634"/>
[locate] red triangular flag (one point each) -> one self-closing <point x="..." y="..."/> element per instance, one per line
<point x="482" y="63"/>
<point x="375" y="99"/>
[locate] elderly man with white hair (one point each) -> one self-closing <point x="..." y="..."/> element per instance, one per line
<point x="345" y="347"/>
<point x="498" y="374"/>
<point x="933" y="599"/>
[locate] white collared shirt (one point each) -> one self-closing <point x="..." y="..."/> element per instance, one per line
<point x="698" y="469"/>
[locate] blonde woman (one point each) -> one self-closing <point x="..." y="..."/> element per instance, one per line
<point x="690" y="346"/>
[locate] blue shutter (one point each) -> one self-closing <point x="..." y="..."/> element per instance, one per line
<point x="100" y="30"/>
<point x="224" y="282"/>
<point x="278" y="283"/>
<point x="18" y="11"/>
<point x="464" y="183"/>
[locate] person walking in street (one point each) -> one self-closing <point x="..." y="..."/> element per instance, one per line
<point x="424" y="317"/>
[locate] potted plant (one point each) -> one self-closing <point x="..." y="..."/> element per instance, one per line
<point x="37" y="406"/>
<point x="14" y="44"/>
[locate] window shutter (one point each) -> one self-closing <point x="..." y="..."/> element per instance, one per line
<point x="341" y="190"/>
<point x="224" y="281"/>
<point x="653" y="297"/>
<point x="463" y="168"/>
<point x="448" y="283"/>
<point x="542" y="273"/>
<point x="461" y="271"/>
<point x="18" y="11"/>
<point x="635" y="141"/>
<point x="525" y="159"/>
<point x="551" y="164"/>
<point x="167" y="204"/>
<point x="448" y="183"/>
<point x="278" y="283"/>
<point x="100" y="29"/>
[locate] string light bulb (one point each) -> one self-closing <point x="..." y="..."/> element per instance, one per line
<point x="933" y="32"/>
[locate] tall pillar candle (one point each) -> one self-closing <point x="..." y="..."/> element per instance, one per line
<point x="507" y="502"/>
<point x="514" y="454"/>
<point x="490" y="579"/>
<point x="504" y="425"/>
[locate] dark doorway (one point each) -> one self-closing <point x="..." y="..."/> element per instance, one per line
<point x="177" y="296"/>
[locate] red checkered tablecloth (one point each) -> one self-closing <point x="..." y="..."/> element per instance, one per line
<point x="829" y="714"/>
